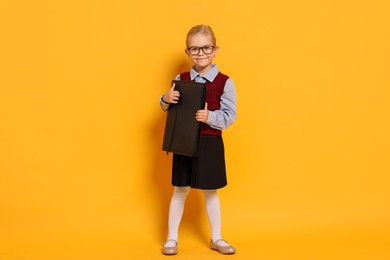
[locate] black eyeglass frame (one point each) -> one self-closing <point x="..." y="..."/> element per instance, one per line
<point x="201" y="48"/>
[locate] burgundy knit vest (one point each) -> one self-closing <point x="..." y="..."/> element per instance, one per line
<point x="213" y="98"/>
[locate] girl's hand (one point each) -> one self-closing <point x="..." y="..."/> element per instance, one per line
<point x="172" y="96"/>
<point x="202" y="115"/>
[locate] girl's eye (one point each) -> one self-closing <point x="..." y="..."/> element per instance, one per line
<point x="194" y="49"/>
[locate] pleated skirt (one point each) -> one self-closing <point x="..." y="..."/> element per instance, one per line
<point x="207" y="170"/>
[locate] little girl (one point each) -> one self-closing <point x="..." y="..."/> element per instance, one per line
<point x="207" y="171"/>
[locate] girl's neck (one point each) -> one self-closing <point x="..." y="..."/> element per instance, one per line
<point x="203" y="71"/>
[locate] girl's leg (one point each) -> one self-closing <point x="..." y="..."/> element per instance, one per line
<point x="214" y="214"/>
<point x="176" y="209"/>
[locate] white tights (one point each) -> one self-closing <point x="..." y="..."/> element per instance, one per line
<point x="177" y="207"/>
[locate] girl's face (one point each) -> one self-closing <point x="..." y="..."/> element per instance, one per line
<point x="201" y="51"/>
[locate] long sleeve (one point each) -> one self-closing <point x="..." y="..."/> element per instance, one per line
<point x="225" y="116"/>
<point x="163" y="105"/>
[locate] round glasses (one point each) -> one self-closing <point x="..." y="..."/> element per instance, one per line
<point x="208" y="49"/>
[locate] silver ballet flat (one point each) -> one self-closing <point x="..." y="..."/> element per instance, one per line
<point x="226" y="250"/>
<point x="169" y="250"/>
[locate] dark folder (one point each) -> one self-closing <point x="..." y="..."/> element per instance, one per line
<point x="182" y="131"/>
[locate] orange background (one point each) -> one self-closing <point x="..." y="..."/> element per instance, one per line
<point x="82" y="174"/>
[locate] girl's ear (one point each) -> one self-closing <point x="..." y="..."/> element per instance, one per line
<point x="186" y="51"/>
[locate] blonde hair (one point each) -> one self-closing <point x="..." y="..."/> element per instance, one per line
<point x="203" y="29"/>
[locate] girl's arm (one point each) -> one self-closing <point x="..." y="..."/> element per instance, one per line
<point x="225" y="116"/>
<point x="172" y="96"/>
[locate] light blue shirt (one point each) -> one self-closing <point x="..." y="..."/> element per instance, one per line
<point x="225" y="116"/>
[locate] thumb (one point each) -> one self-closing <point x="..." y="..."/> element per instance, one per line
<point x="205" y="106"/>
<point x="173" y="87"/>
